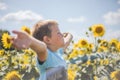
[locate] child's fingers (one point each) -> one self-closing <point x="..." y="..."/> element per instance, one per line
<point x="16" y="32"/>
<point x="12" y="39"/>
<point x="65" y="34"/>
<point x="16" y="44"/>
<point x="20" y="34"/>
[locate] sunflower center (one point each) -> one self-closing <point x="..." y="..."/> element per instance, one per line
<point x="8" y="40"/>
<point x="99" y="29"/>
<point x="83" y="43"/>
<point x="105" y="44"/>
<point x="113" y="44"/>
<point x="90" y="46"/>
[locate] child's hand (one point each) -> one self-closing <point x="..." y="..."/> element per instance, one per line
<point x="22" y="40"/>
<point x="67" y="38"/>
<point x="65" y="34"/>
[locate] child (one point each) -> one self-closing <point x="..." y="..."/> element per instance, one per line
<point x="49" y="44"/>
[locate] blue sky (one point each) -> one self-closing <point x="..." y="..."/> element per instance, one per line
<point x="74" y="16"/>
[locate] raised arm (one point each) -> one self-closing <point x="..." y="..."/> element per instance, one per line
<point x="23" y="41"/>
<point x="67" y="38"/>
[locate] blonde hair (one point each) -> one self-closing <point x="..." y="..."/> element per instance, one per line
<point x="43" y="28"/>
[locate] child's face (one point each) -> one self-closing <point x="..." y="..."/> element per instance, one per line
<point x="56" y="37"/>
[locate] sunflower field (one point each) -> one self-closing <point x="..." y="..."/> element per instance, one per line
<point x="96" y="60"/>
<point x="16" y="64"/>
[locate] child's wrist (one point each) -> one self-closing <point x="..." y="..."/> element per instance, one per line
<point x="31" y="42"/>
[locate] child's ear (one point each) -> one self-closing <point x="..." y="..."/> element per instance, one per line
<point x="46" y="39"/>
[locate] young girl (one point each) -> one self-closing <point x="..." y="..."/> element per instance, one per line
<point x="48" y="43"/>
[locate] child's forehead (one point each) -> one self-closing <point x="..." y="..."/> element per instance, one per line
<point x="55" y="27"/>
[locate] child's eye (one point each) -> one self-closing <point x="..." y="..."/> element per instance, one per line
<point x="59" y="33"/>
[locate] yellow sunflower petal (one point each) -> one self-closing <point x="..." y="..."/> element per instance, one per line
<point x="26" y="29"/>
<point x="13" y="75"/>
<point x="6" y="40"/>
<point x="115" y="75"/>
<point x="82" y="43"/>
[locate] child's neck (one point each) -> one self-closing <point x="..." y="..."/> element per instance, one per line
<point x="53" y="49"/>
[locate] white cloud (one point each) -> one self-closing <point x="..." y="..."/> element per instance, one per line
<point x="21" y="16"/>
<point x="118" y="1"/>
<point x="76" y="20"/>
<point x="3" y="6"/>
<point x="112" y="18"/>
<point x="112" y="34"/>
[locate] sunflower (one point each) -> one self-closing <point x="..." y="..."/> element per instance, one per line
<point x="91" y="46"/>
<point x="103" y="45"/>
<point x="106" y="61"/>
<point x="82" y="43"/>
<point x="88" y="62"/>
<point x="113" y="42"/>
<point x="13" y="75"/>
<point x="81" y="52"/>
<point x="6" y="40"/>
<point x="26" y="29"/>
<point x="95" y="78"/>
<point x="24" y="61"/>
<point x="101" y="62"/>
<point x="1" y="52"/>
<point x="73" y="54"/>
<point x="75" y="46"/>
<point x="118" y="46"/>
<point x="29" y="52"/>
<point x="72" y="72"/>
<point x="115" y="75"/>
<point x="98" y="30"/>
